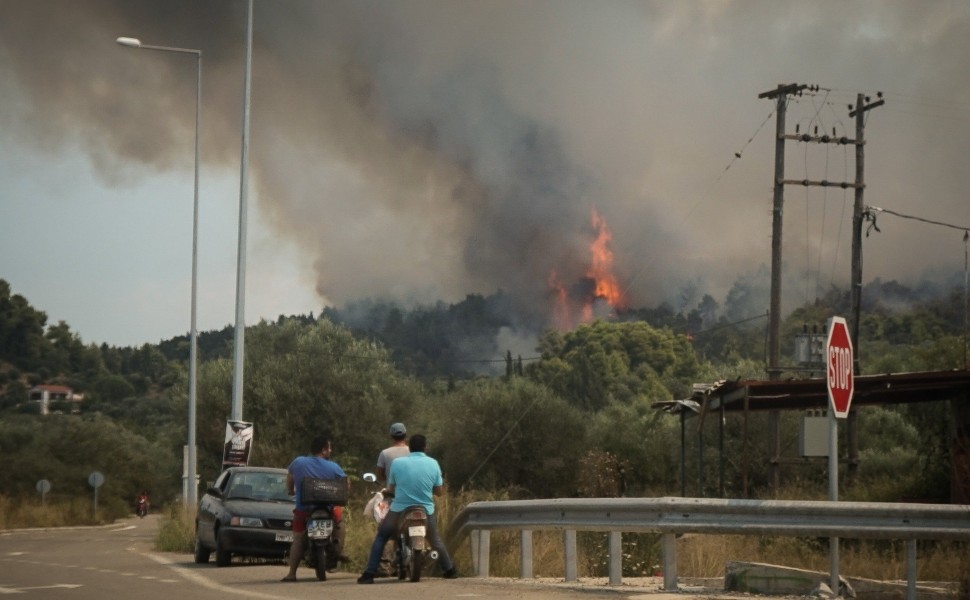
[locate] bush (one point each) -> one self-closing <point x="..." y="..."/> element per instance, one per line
<point x="177" y="530"/>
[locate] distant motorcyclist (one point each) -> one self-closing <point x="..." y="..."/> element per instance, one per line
<point x="142" y="503"/>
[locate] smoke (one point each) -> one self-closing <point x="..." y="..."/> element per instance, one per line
<point x="427" y="150"/>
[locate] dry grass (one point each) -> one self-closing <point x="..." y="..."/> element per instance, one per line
<point x="56" y="512"/>
<point x="706" y="555"/>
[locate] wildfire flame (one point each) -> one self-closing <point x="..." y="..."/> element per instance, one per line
<point x="601" y="271"/>
<point x="579" y="302"/>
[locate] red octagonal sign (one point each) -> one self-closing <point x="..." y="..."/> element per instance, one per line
<point x="838" y="353"/>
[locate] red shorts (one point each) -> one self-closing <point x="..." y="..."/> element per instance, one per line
<point x="300" y="518"/>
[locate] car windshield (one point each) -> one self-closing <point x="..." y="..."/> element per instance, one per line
<point x="259" y="486"/>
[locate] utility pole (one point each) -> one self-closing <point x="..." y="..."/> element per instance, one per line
<point x="862" y="105"/>
<point x="780" y="94"/>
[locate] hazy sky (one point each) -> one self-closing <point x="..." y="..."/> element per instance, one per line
<point x="424" y="150"/>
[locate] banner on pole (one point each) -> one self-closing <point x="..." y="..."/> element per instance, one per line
<point x="239" y="444"/>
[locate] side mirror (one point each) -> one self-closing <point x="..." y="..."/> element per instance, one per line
<point x="370" y="477"/>
<point x="213" y="490"/>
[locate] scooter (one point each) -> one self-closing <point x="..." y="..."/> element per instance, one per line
<point x="322" y="549"/>
<point x="141" y="507"/>
<point x="322" y="552"/>
<point x="411" y="551"/>
<point x="412" y="547"/>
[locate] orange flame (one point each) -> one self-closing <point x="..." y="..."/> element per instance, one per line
<point x="601" y="271"/>
<point x="599" y="287"/>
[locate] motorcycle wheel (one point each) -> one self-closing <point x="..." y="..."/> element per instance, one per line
<point x="321" y="566"/>
<point x="201" y="552"/>
<point x="223" y="557"/>
<point x="402" y="561"/>
<point x="414" y="568"/>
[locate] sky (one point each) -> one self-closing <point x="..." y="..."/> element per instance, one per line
<point x="424" y="150"/>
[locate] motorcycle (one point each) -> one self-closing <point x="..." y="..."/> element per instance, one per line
<point x="141" y="507"/>
<point x="322" y="547"/>
<point x="322" y="552"/>
<point x="411" y="550"/>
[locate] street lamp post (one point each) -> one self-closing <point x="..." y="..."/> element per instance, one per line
<point x="190" y="492"/>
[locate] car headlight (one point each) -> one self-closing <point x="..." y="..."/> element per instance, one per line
<point x="246" y="522"/>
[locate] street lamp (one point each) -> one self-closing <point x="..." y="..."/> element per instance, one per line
<point x="190" y="493"/>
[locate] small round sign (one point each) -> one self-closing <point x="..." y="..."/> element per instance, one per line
<point x="43" y="486"/>
<point x="95" y="479"/>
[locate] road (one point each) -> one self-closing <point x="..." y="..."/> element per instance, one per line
<point x="92" y="563"/>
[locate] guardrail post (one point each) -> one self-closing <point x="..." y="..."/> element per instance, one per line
<point x="484" y="549"/>
<point x="473" y="542"/>
<point x="616" y="557"/>
<point x="670" y="561"/>
<point x="525" y="554"/>
<point x="569" y="543"/>
<point x="910" y="569"/>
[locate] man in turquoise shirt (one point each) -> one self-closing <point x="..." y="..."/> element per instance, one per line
<point x="414" y="480"/>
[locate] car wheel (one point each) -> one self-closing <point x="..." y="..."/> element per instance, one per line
<point x="201" y="552"/>
<point x="223" y="556"/>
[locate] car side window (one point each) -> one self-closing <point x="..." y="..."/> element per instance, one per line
<point x="222" y="481"/>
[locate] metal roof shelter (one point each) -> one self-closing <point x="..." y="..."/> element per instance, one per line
<point x="804" y="394"/>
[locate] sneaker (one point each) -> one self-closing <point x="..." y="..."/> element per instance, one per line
<point x="451" y="574"/>
<point x="366" y="577"/>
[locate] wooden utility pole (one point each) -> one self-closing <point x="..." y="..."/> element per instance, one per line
<point x="862" y="104"/>
<point x="781" y="95"/>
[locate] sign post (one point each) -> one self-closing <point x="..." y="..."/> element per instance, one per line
<point x="43" y="486"/>
<point x="840" y="383"/>
<point x="95" y="480"/>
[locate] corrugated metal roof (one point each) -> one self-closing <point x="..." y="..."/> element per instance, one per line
<point x="801" y="394"/>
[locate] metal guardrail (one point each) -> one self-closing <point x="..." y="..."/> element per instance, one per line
<point x="671" y="516"/>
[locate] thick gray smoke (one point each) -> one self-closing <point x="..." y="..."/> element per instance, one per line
<point x="424" y="150"/>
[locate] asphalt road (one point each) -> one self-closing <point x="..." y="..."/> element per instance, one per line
<point x="117" y="561"/>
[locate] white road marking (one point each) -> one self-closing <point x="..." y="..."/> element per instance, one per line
<point x="21" y="590"/>
<point x="205" y="582"/>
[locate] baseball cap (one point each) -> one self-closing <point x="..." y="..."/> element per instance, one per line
<point x="398" y="430"/>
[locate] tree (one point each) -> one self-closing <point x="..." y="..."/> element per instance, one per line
<point x="602" y="362"/>
<point x="21" y="330"/>
<point x="515" y="435"/>
<point x="301" y="380"/>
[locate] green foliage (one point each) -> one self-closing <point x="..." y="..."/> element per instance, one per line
<point x="177" y="530"/>
<point x="113" y="388"/>
<point x="516" y="436"/>
<point x="646" y="442"/>
<point x="21" y="330"/>
<point x="604" y="362"/>
<point x="301" y="380"/>
<point x="65" y="449"/>
<point x="581" y="421"/>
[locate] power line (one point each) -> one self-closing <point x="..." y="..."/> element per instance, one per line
<point x="737" y="155"/>
<point x="871" y="217"/>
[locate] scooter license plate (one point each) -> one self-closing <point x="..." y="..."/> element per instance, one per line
<point x="416" y="531"/>
<point x="285" y="537"/>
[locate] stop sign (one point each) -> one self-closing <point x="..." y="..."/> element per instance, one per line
<point x="838" y="358"/>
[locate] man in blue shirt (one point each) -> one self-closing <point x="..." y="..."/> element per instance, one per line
<point x="414" y="480"/>
<point x="317" y="466"/>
